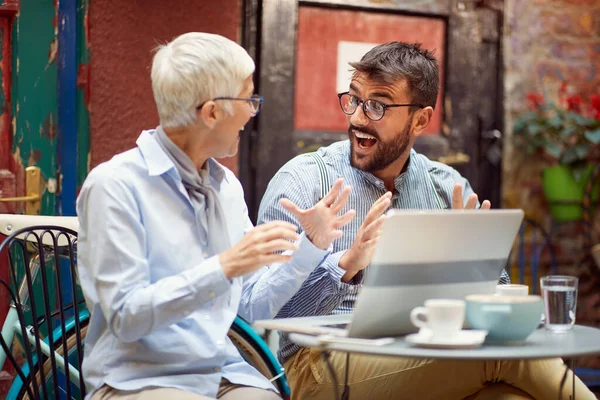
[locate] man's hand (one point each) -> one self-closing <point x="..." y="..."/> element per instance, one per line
<point x="358" y="256"/>
<point x="457" y="200"/>
<point x="321" y="222"/>
<point x="259" y="247"/>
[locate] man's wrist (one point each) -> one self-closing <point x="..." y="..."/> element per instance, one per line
<point x="348" y="276"/>
<point x="347" y="265"/>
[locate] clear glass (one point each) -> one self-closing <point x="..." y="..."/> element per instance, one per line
<point x="560" y="301"/>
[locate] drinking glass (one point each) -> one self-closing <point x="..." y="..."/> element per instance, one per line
<point x="560" y="302"/>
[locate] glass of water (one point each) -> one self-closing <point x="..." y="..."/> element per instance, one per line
<point x="560" y="301"/>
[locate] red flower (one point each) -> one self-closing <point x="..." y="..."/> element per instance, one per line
<point x="595" y="102"/>
<point x="563" y="89"/>
<point x="574" y="103"/>
<point x="597" y="114"/>
<point x="535" y="100"/>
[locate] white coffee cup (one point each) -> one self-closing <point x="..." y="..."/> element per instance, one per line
<point x="512" y="290"/>
<point x="443" y="318"/>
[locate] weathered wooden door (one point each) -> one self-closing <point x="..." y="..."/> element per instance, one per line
<point x="44" y="118"/>
<point x="297" y="45"/>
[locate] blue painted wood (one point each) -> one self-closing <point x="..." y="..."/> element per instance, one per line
<point x="67" y="106"/>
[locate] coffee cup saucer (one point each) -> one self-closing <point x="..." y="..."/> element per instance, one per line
<point x="464" y="339"/>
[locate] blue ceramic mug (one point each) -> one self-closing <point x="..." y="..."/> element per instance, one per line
<point x="508" y="319"/>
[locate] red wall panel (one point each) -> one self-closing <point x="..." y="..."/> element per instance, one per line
<point x="123" y="34"/>
<point x="319" y="31"/>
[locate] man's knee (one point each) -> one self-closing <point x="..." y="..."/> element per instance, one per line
<point x="499" y="391"/>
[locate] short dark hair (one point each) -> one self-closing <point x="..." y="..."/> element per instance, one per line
<point x="392" y="61"/>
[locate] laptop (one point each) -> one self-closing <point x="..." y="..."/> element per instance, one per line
<point x="421" y="255"/>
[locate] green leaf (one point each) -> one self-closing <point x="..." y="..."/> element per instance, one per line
<point x="555" y="121"/>
<point x="593" y="136"/>
<point x="569" y="156"/>
<point x="535" y="129"/>
<point x="569" y="131"/>
<point x="582" y="150"/>
<point x="553" y="150"/>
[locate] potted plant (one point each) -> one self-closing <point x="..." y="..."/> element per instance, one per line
<point x="566" y="134"/>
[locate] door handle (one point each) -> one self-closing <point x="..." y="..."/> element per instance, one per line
<point x="33" y="185"/>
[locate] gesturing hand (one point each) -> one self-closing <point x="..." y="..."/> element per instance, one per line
<point x="457" y="200"/>
<point x="259" y="247"/>
<point x="322" y="222"/>
<point x="358" y="256"/>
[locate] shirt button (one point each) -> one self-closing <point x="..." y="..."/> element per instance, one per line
<point x="220" y="343"/>
<point x="211" y="294"/>
<point x="217" y="369"/>
<point x="207" y="317"/>
<point x="204" y="254"/>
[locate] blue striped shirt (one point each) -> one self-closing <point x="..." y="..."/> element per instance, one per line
<point x="424" y="184"/>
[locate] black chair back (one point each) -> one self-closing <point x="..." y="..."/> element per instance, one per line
<point x="52" y="319"/>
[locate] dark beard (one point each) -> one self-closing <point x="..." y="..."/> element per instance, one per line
<point x="387" y="152"/>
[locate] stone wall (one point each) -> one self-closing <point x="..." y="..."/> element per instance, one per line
<point x="546" y="43"/>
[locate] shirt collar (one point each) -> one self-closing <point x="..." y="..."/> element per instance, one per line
<point x="159" y="163"/>
<point x="406" y="171"/>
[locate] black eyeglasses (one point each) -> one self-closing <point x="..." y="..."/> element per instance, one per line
<point x="373" y="109"/>
<point x="255" y="102"/>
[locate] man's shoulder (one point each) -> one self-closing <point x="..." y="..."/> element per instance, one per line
<point x="424" y="164"/>
<point x="330" y="155"/>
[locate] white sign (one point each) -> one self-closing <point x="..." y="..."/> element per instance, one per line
<point x="349" y="52"/>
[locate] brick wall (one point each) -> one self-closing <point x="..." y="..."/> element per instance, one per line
<point x="547" y="43"/>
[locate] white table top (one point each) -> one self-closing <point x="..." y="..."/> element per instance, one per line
<point x="582" y="340"/>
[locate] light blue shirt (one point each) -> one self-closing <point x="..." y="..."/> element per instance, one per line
<point x="160" y="303"/>
<point x="423" y="185"/>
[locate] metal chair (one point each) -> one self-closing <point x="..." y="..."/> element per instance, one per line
<point x="39" y="246"/>
<point x="533" y="242"/>
<point x="47" y="311"/>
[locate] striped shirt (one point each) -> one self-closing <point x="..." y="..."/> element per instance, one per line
<point x="424" y="184"/>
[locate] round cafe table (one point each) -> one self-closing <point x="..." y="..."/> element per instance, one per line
<point x="580" y="341"/>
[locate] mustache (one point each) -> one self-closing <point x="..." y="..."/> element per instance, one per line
<point x="352" y="129"/>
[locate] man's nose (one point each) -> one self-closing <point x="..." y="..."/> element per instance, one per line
<point x="359" y="118"/>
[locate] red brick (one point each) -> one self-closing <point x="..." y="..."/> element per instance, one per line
<point x="572" y="23"/>
<point x="570" y="51"/>
<point x="580" y="3"/>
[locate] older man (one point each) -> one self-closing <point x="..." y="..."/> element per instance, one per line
<point x="167" y="254"/>
<point x="389" y="103"/>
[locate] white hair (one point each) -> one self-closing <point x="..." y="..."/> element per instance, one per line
<point x="194" y="68"/>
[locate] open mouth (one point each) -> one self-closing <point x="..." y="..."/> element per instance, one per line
<point x="365" y="141"/>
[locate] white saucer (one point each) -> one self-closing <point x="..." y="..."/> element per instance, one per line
<point x="465" y="339"/>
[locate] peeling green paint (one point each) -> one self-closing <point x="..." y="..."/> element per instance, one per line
<point x="34" y="90"/>
<point x="83" y="91"/>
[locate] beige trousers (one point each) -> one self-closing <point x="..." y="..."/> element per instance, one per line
<point x="227" y="391"/>
<point x="380" y="378"/>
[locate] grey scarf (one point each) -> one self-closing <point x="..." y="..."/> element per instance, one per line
<point x="204" y="197"/>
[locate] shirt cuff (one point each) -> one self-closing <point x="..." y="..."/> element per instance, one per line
<point x="308" y="256"/>
<point x="208" y="280"/>
<point x="336" y="273"/>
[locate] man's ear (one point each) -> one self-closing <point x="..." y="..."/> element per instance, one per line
<point x="209" y="114"/>
<point x="421" y="120"/>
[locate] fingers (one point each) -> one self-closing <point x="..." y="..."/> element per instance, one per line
<point x="275" y="230"/>
<point x="278" y="245"/>
<point x="457" y="197"/>
<point x="290" y="206"/>
<point x="373" y="229"/>
<point x="344" y="219"/>
<point x="333" y="193"/>
<point x="341" y="201"/>
<point x="486" y="205"/>
<point x="471" y="202"/>
<point x="378" y="208"/>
